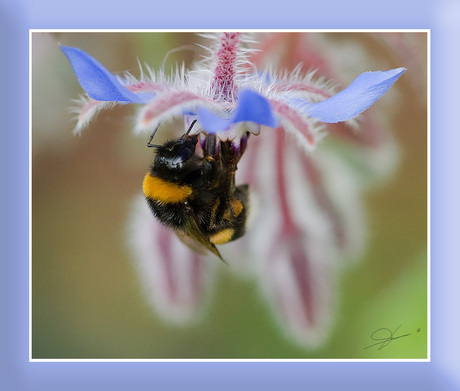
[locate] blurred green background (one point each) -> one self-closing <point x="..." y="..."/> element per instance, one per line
<point x="86" y="299"/>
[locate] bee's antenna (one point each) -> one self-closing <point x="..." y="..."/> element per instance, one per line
<point x="188" y="130"/>
<point x="149" y="143"/>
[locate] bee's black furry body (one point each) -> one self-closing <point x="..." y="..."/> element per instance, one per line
<point x="196" y="195"/>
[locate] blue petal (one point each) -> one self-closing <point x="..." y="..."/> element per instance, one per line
<point x="96" y="80"/>
<point x="357" y="97"/>
<point x="251" y="107"/>
<point x="211" y="122"/>
<point x="255" y="108"/>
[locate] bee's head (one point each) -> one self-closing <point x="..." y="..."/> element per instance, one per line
<point x="176" y="157"/>
<point x="175" y="154"/>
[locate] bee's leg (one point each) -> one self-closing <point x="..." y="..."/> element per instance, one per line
<point x="211" y="146"/>
<point x="212" y="166"/>
<point x="229" y="160"/>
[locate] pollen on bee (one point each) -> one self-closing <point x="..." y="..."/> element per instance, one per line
<point x="163" y="191"/>
<point x="222" y="237"/>
<point x="237" y="206"/>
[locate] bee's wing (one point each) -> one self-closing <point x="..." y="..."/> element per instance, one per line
<point x="194" y="238"/>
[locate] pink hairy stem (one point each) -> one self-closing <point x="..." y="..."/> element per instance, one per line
<point x="224" y="72"/>
<point x="291" y="232"/>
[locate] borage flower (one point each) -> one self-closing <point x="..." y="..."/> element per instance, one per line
<point x="300" y="233"/>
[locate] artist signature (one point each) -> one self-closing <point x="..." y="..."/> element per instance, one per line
<point x="384" y="337"/>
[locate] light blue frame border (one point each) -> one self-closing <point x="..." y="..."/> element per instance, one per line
<point x="441" y="17"/>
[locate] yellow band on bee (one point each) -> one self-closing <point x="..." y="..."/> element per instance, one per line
<point x="222" y="237"/>
<point x="164" y="191"/>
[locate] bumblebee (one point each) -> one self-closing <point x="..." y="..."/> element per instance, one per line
<point x="195" y="194"/>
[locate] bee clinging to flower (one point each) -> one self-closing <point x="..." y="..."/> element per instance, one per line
<point x="196" y="195"/>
